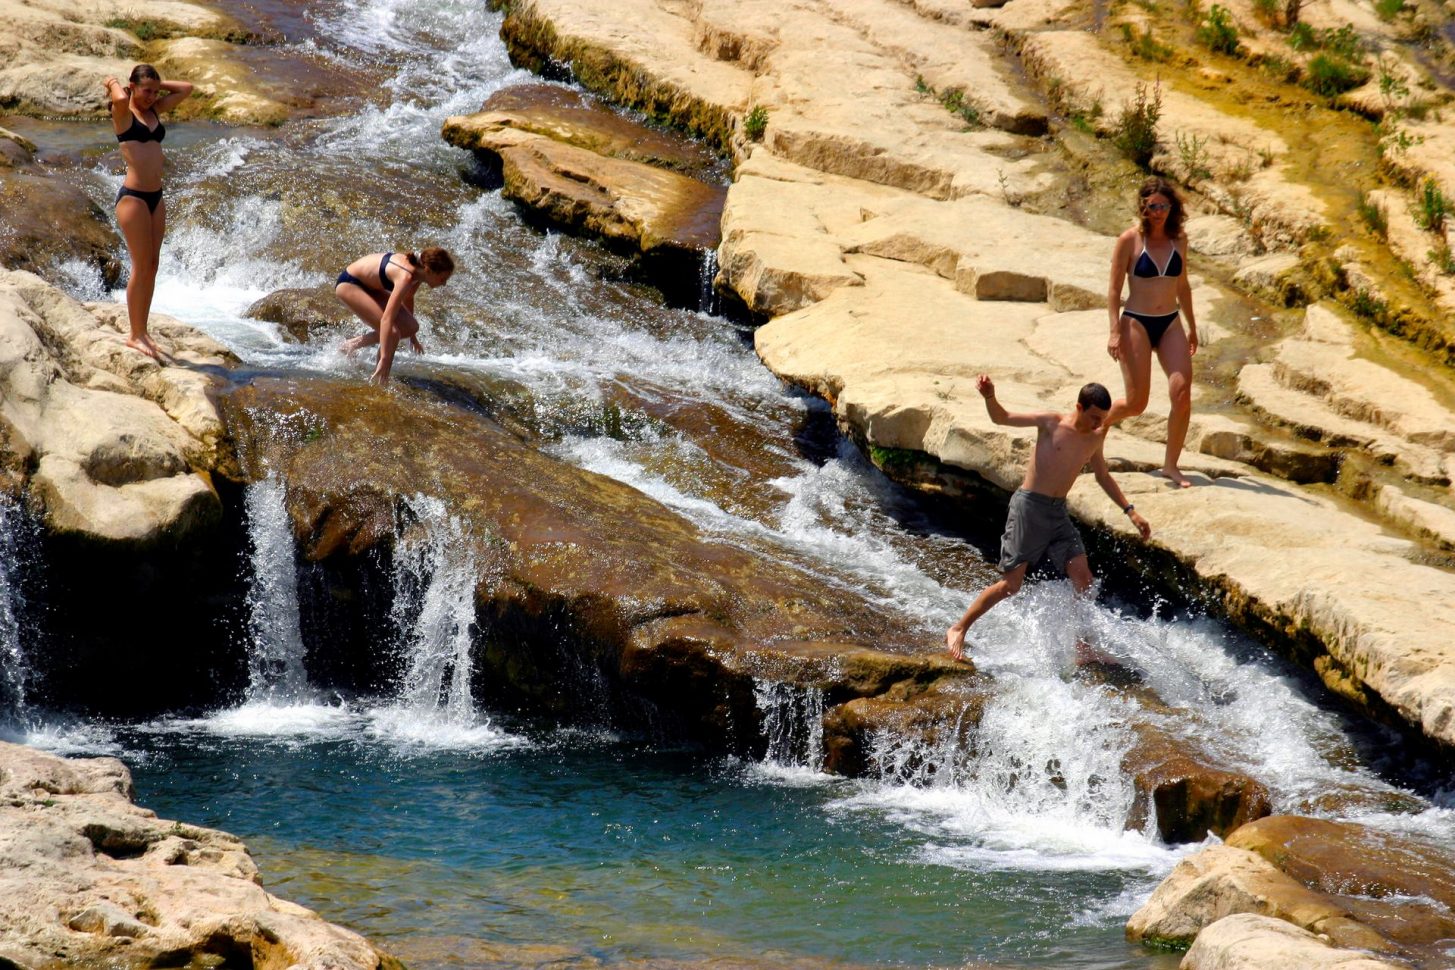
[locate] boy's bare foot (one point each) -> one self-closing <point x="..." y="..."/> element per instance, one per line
<point x="1174" y="475"/>
<point x="146" y="345"/>
<point x="955" y="643"/>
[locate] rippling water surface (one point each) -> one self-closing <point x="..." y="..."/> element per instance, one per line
<point x="436" y="829"/>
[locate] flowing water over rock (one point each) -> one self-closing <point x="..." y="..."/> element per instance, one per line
<point x="442" y="831"/>
<point x="14" y="669"/>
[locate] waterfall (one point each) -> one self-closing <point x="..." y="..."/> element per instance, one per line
<point x="275" y="654"/>
<point x="436" y="569"/>
<point x="14" y="671"/>
<point x="706" y="273"/>
<point x="792" y="724"/>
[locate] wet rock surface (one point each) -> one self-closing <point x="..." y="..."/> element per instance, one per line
<point x="892" y="239"/>
<point x="87" y="878"/>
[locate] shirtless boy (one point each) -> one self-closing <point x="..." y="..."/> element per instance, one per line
<point x="1038" y="523"/>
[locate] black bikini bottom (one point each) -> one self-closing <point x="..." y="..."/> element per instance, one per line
<point x="152" y="199"/>
<point x="1155" y="324"/>
<point x="347" y="277"/>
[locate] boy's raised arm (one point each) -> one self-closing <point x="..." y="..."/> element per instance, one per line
<point x="998" y="413"/>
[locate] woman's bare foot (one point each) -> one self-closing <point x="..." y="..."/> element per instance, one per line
<point x="955" y="642"/>
<point x="144" y="344"/>
<point x="1174" y="474"/>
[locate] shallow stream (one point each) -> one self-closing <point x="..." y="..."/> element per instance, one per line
<point x="454" y="838"/>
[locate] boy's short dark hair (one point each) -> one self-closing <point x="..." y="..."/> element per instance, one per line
<point x="1093" y="395"/>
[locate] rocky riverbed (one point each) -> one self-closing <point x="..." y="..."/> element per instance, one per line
<point x="921" y="191"/>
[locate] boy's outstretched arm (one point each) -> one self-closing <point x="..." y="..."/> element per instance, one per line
<point x="998" y="413"/>
<point x="1114" y="491"/>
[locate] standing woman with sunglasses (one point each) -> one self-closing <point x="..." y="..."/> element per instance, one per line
<point x="140" y="210"/>
<point x="1151" y="260"/>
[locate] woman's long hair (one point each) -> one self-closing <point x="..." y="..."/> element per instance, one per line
<point x="434" y="259"/>
<point x="1160" y="186"/>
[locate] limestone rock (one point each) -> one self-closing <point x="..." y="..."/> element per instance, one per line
<point x="1247" y="942"/>
<point x="57" y="52"/>
<point x="119" y="445"/>
<point x="88" y="878"/>
<point x="45" y="221"/>
<point x="620" y="200"/>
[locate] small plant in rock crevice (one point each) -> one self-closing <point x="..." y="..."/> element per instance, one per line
<point x="1443" y="258"/>
<point x="1144" y="45"/>
<point x="756" y="123"/>
<point x="1329" y="75"/>
<point x="1432" y="208"/>
<point x="1192" y="153"/>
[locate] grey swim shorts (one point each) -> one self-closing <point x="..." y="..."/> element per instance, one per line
<point x="1038" y="525"/>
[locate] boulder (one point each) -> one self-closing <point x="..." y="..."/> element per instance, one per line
<point x="1353" y="887"/>
<point x="87" y="878"/>
<point x="120" y="446"/>
<point x="301" y="313"/>
<point x="1248" y="942"/>
<point x="46" y="221"/>
<point x="577" y="165"/>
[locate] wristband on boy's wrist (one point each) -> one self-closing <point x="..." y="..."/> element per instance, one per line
<point x="1128" y="509"/>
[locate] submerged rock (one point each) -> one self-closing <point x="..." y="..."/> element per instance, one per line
<point x="87" y="878"/>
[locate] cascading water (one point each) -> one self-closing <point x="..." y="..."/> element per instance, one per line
<point x="792" y="724"/>
<point x="707" y="273"/>
<point x="14" y="668"/>
<point x="436" y="569"/>
<point x="1038" y="792"/>
<point x="275" y="656"/>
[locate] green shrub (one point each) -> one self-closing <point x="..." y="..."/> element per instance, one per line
<point x="1266" y="10"/>
<point x="1280" y="68"/>
<point x="1192" y="150"/>
<point x="1432" y="207"/>
<point x="1443" y="259"/>
<point x="756" y="123"/>
<point x="1343" y="42"/>
<point x="1136" y="130"/>
<point x="1301" y="37"/>
<point x="1388" y="9"/>
<point x="1218" y="32"/>
<point x="1329" y="75"/>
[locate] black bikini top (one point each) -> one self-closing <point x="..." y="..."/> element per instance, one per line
<point x="1147" y="268"/>
<point x="140" y="132"/>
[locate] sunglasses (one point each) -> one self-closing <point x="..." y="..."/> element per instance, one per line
<point x="1157" y="206"/>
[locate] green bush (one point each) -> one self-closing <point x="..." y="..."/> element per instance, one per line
<point x="1329" y="75"/>
<point x="756" y="123"/>
<point x="1301" y="37"/>
<point x="1218" y="32"/>
<point x="1266" y="10"/>
<point x="1343" y="42"/>
<point x="1136" y="130"/>
<point x="1388" y="9"/>
<point x="1432" y="207"/>
<point x="955" y="103"/>
<point x="1443" y="259"/>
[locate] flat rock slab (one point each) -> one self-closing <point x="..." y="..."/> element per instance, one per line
<point x="590" y="170"/>
<point x="87" y="878"/>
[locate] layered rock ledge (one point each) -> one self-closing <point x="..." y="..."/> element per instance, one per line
<point x="88" y="878"/>
<point x="902" y="231"/>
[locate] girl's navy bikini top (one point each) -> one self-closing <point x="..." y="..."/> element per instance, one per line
<point x="140" y="132"/>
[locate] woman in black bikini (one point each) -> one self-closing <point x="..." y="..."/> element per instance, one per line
<point x="1151" y="259"/>
<point x="140" y="210"/>
<point x="380" y="289"/>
